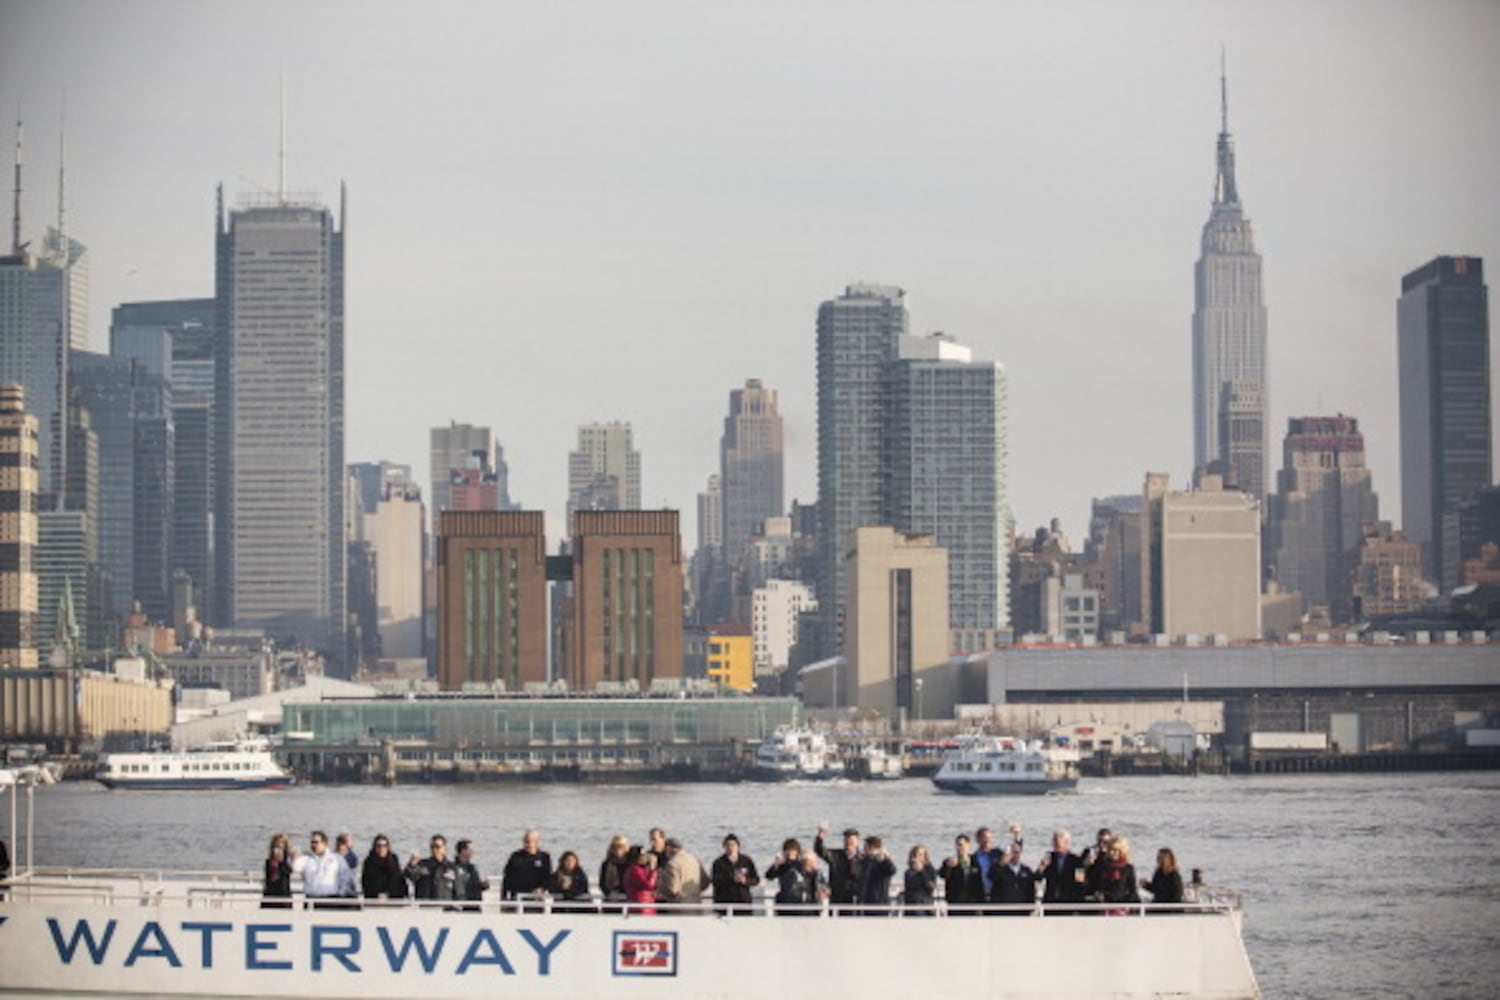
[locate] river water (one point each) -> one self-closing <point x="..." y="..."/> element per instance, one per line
<point x="1354" y="885"/>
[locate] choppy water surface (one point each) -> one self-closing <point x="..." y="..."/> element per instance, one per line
<point x="1354" y="885"/>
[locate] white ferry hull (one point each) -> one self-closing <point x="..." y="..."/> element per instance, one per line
<point x="969" y="786"/>
<point x="208" y="948"/>
<point x="170" y="784"/>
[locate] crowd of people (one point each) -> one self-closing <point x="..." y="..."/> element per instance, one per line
<point x="859" y="876"/>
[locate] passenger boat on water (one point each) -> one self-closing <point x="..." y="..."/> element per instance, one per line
<point x="998" y="765"/>
<point x="150" y="934"/>
<point x="239" y="764"/>
<point x="793" y="753"/>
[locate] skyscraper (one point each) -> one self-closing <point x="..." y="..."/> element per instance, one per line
<point x="469" y="456"/>
<point x="945" y="470"/>
<point x="1443" y="339"/>
<point x="857" y="337"/>
<point x="750" y="465"/>
<point x="280" y="423"/>
<point x="18" y="530"/>
<point x="130" y="411"/>
<point x="1229" y="334"/>
<point x="1324" y="500"/>
<point x="605" y="472"/>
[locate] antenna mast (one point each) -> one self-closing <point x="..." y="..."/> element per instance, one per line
<point x="15" y="223"/>
<point x="64" y="251"/>
<point x="1223" y="95"/>
<point x="281" y="156"/>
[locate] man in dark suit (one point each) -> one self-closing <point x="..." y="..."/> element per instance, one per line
<point x="962" y="886"/>
<point x="1015" y="883"/>
<point x="1061" y="873"/>
<point x="843" y="868"/>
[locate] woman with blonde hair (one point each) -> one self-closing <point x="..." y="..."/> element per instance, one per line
<point x="1116" y="878"/>
<point x="612" y="873"/>
<point x="1165" y="884"/>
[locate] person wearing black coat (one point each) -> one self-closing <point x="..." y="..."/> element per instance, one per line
<point x="733" y="875"/>
<point x="1165" y="884"/>
<point x="528" y="872"/>
<point x="1015" y="883"/>
<point x="797" y="881"/>
<point x="1062" y="873"/>
<point x="383" y="876"/>
<point x="963" y="885"/>
<point x="276" y="887"/>
<point x="875" y="871"/>
<point x="919" y="884"/>
<point x="570" y="885"/>
<point x="843" y="868"/>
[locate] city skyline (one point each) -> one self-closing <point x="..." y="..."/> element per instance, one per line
<point x="582" y="198"/>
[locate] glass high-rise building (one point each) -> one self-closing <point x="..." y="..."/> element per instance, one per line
<point x="1229" y="339"/>
<point x="1443" y="342"/>
<point x="280" y="421"/>
<point x="858" y="334"/>
<point x="946" y="459"/>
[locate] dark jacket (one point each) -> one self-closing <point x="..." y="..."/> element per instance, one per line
<point x="875" y="874"/>
<point x="570" y="890"/>
<point x="471" y="884"/>
<point x="919" y="886"/>
<point x="961" y="883"/>
<point x="383" y="875"/>
<point x="843" y="873"/>
<point x="1165" y="887"/>
<point x="1059" y="882"/>
<point x="433" y="879"/>
<point x="726" y="888"/>
<point x="525" y="874"/>
<point x="1018" y="886"/>
<point x="278" y="880"/>
<point x="794" y="883"/>
<point x="1116" y="881"/>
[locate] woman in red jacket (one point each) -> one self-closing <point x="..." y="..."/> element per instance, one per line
<point x="640" y="881"/>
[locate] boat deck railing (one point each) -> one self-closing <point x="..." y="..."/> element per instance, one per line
<point x="242" y="890"/>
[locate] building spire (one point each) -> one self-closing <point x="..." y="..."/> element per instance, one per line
<point x="15" y="218"/>
<point x="64" y="252"/>
<point x="281" y="154"/>
<point x="1225" y="192"/>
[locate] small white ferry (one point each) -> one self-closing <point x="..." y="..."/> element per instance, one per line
<point x="797" y="754"/>
<point x="243" y="764"/>
<point x="997" y="765"/>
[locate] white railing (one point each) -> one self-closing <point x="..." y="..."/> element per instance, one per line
<point x="241" y="890"/>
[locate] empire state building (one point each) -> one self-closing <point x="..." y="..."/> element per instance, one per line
<point x="1230" y="398"/>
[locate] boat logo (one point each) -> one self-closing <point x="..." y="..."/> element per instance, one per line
<point x="645" y="953"/>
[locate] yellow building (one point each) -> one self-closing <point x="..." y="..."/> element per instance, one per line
<point x="731" y="660"/>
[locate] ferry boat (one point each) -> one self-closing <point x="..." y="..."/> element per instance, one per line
<point x="797" y="754"/>
<point x="69" y="934"/>
<point x="1003" y="766"/>
<point x="242" y="764"/>
<point x="125" y="934"/>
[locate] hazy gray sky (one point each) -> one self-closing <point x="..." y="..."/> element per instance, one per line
<point x="568" y="212"/>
